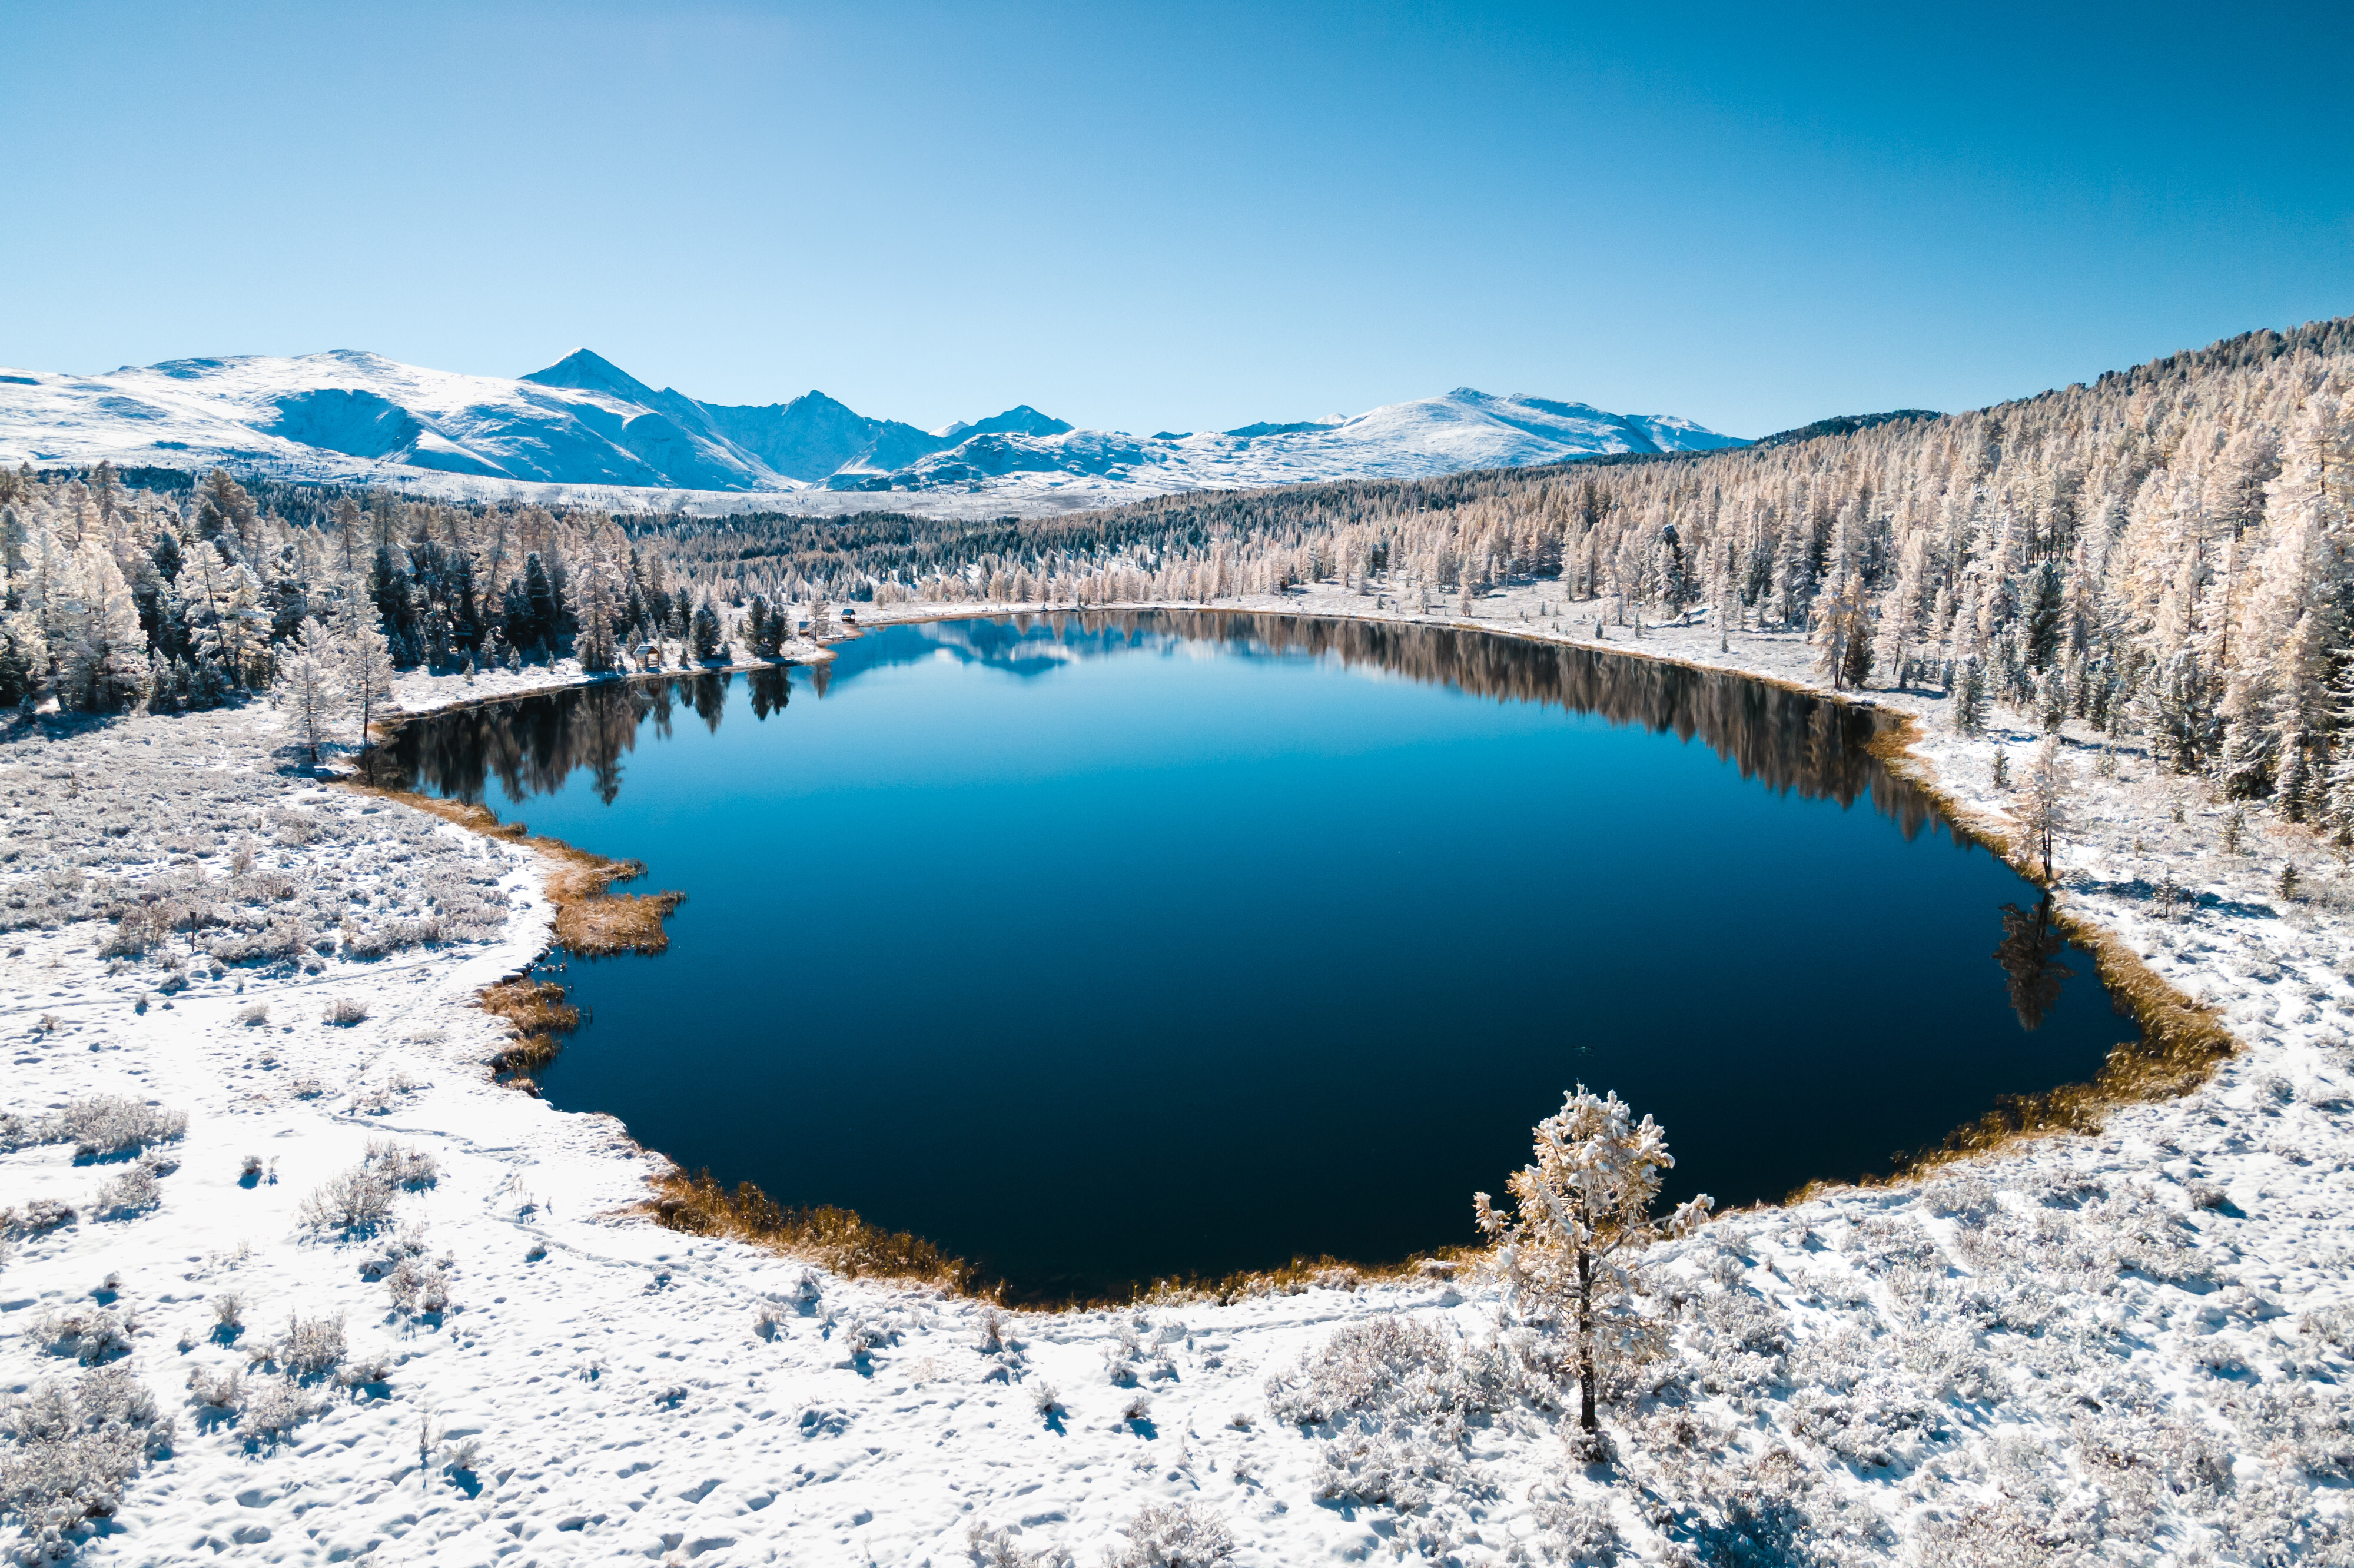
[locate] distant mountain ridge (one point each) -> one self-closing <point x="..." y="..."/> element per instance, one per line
<point x="584" y="421"/>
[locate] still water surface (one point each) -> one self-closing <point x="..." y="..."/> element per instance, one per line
<point x="1104" y="948"/>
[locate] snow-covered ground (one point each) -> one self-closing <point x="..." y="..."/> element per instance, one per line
<point x="2119" y="1348"/>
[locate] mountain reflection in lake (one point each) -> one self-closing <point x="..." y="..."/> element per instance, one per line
<point x="1099" y="948"/>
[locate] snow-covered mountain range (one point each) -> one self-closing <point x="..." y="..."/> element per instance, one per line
<point x="584" y="423"/>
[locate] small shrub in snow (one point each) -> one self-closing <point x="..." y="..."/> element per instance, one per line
<point x="133" y="1192"/>
<point x="344" y="1010"/>
<point x="1381" y="1363"/>
<point x="88" y="1334"/>
<point x="418" y="1286"/>
<point x="1175" y="1535"/>
<point x="273" y="1407"/>
<point x="293" y="828"/>
<point x="374" y="1368"/>
<point x="143" y="928"/>
<point x="42" y="1215"/>
<point x="2333" y="1326"/>
<point x="1576" y="1532"/>
<point x="995" y="1549"/>
<point x="768" y="1319"/>
<point x="250" y="1168"/>
<point x="402" y="1166"/>
<point x="2208" y="1195"/>
<point x="355" y="1201"/>
<point x="1044" y="1400"/>
<point x="74" y="1454"/>
<point x="229" y="1310"/>
<point x="1137" y="1408"/>
<point x="311" y="1346"/>
<point x="307" y="1088"/>
<point x="216" y="1388"/>
<point x="110" y="1124"/>
<point x="257" y="1014"/>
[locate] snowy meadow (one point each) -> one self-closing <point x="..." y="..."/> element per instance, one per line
<point x="362" y="1299"/>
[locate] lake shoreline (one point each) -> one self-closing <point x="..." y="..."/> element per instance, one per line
<point x="650" y="1329"/>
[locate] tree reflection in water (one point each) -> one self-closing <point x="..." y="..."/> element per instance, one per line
<point x="2030" y="955"/>
<point x="1784" y="739"/>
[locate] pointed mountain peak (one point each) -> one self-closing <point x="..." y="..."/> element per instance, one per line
<point x="1020" y="419"/>
<point x="586" y="371"/>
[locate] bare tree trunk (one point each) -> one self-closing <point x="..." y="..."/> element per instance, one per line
<point x="1586" y="1341"/>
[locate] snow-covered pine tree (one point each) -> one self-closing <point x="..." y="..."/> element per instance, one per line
<point x="709" y="632"/>
<point x="106" y="667"/>
<point x="1581" y="1212"/>
<point x="595" y="645"/>
<point x="309" y="682"/>
<point x="366" y="670"/>
<point x="2043" y="801"/>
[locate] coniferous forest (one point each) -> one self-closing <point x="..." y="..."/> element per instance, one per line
<point x="2162" y="552"/>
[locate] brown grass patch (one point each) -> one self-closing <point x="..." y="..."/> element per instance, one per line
<point x="540" y="1017"/>
<point x="841" y="1241"/>
<point x="591" y="920"/>
<point x="837" y="1238"/>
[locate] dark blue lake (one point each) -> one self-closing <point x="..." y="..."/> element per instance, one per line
<point x="1102" y="949"/>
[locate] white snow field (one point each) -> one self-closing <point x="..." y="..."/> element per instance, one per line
<point x="2130" y="1347"/>
<point x="583" y="432"/>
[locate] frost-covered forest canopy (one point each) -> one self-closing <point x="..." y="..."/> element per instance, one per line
<point x="2163" y="551"/>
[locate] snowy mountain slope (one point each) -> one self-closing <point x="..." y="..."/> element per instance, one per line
<point x="585" y="422"/>
<point x="1464" y="430"/>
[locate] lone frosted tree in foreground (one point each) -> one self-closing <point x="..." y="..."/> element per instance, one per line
<point x="1581" y="1212"/>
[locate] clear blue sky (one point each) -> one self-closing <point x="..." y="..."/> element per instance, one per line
<point x="1185" y="216"/>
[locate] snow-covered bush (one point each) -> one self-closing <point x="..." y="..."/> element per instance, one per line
<point x="354" y="1201"/>
<point x="310" y="1347"/>
<point x="133" y="1192"/>
<point x="418" y="1286"/>
<point x="216" y="1388"/>
<point x="402" y="1165"/>
<point x="71" y="1456"/>
<point x="344" y="1011"/>
<point x="40" y="1216"/>
<point x="996" y="1549"/>
<point x="273" y="1406"/>
<point x="1175" y="1535"/>
<point x="88" y="1334"/>
<point x="1576" y="1534"/>
<point x="102" y="1124"/>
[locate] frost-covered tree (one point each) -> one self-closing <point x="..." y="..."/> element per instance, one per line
<point x="596" y="646"/>
<point x="105" y="666"/>
<point x="366" y="669"/>
<point x="2042" y="802"/>
<point x="1582" y="1209"/>
<point x="310" y="681"/>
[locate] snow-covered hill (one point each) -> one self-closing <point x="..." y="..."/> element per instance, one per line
<point x="585" y="422"/>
